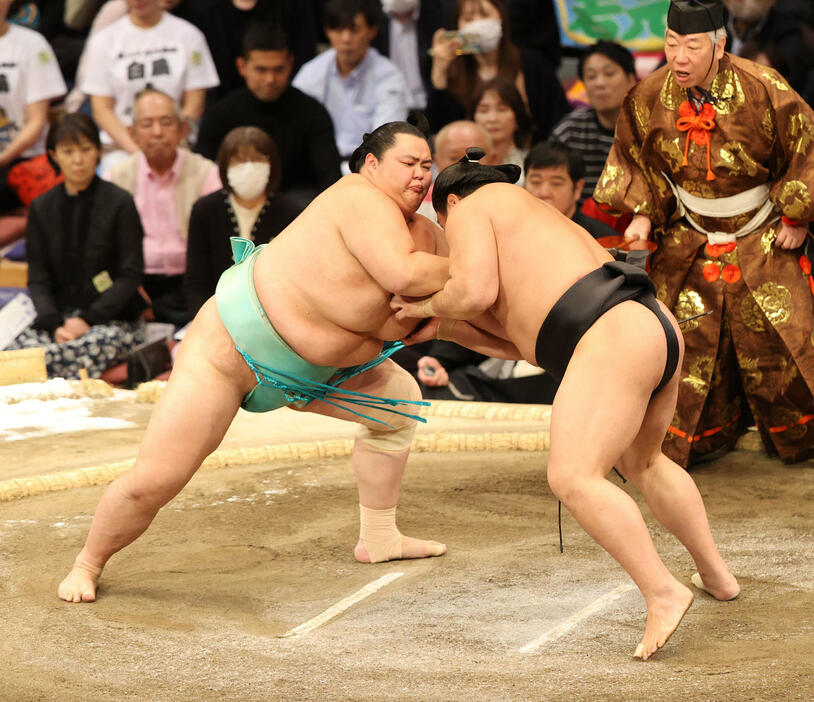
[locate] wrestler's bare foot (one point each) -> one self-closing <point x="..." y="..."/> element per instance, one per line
<point x="664" y="614"/>
<point x="80" y="584"/>
<point x="721" y="586"/>
<point x="410" y="548"/>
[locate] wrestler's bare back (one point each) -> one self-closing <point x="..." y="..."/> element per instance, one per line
<point x="541" y="253"/>
<point x="316" y="292"/>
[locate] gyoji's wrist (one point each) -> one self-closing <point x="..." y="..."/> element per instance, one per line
<point x="790" y="222"/>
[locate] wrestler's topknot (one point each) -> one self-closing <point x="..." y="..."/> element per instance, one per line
<point x="473" y="155"/>
<point x="467" y="175"/>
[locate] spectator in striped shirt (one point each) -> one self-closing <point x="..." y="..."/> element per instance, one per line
<point x="608" y="71"/>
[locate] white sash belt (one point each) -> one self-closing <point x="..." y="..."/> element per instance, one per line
<point x="731" y="206"/>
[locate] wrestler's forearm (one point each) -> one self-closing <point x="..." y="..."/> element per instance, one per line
<point x="472" y="337"/>
<point x="488" y="323"/>
<point x="424" y="274"/>
<point x="458" y="300"/>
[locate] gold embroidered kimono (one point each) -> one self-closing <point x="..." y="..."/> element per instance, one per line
<point x="753" y="357"/>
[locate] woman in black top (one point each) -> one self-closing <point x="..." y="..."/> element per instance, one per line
<point x="85" y="261"/>
<point x="248" y="206"/>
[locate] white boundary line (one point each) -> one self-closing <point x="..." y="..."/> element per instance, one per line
<point x="341" y="606"/>
<point x="569" y="623"/>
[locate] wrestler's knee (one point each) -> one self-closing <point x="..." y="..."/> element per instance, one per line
<point x="636" y="464"/>
<point x="633" y="462"/>
<point x="148" y="492"/>
<point x="569" y="483"/>
<point x="560" y="480"/>
<point x="396" y="435"/>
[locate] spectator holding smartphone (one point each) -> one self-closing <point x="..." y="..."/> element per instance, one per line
<point x="481" y="50"/>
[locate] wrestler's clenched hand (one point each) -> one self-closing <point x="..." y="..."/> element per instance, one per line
<point x="422" y="333"/>
<point x="412" y="308"/>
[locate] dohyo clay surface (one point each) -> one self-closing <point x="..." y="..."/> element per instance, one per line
<point x="199" y="607"/>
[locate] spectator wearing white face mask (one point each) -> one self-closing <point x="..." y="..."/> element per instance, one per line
<point x="482" y="50"/>
<point x="248" y="206"/>
<point x="405" y="37"/>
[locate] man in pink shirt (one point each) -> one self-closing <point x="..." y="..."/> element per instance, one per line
<point x="165" y="180"/>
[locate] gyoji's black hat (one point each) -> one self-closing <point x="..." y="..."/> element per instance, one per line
<point x="695" y="16"/>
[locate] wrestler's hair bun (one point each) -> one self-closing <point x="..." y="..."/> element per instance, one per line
<point x="473" y="154"/>
<point x="511" y="170"/>
<point x="466" y="176"/>
<point x="419" y="120"/>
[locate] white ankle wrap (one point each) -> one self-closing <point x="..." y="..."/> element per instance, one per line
<point x="378" y="532"/>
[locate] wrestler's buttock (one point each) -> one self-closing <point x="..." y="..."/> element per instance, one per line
<point x="631" y="337"/>
<point x="208" y="338"/>
<point x="620" y="299"/>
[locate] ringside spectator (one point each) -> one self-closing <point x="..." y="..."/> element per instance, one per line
<point x="224" y="23"/>
<point x="480" y="49"/>
<point x="29" y="80"/>
<point x="247" y="206"/>
<point x="299" y="125"/>
<point x="608" y="71"/>
<point x="359" y="87"/>
<point x="556" y="174"/>
<point x="84" y="250"/>
<point x="500" y="110"/>
<point x="405" y="37"/>
<point x="165" y="181"/>
<point x="148" y="47"/>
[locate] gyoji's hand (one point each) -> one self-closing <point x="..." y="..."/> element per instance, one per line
<point x="791" y="237"/>
<point x="638" y="229"/>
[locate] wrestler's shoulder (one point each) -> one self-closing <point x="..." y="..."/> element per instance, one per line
<point x="354" y="188"/>
<point x="487" y="195"/>
<point x="422" y="222"/>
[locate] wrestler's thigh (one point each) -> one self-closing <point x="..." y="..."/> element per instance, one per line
<point x="388" y="379"/>
<point x="659" y="415"/>
<point x="197" y="406"/>
<point x="603" y="398"/>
